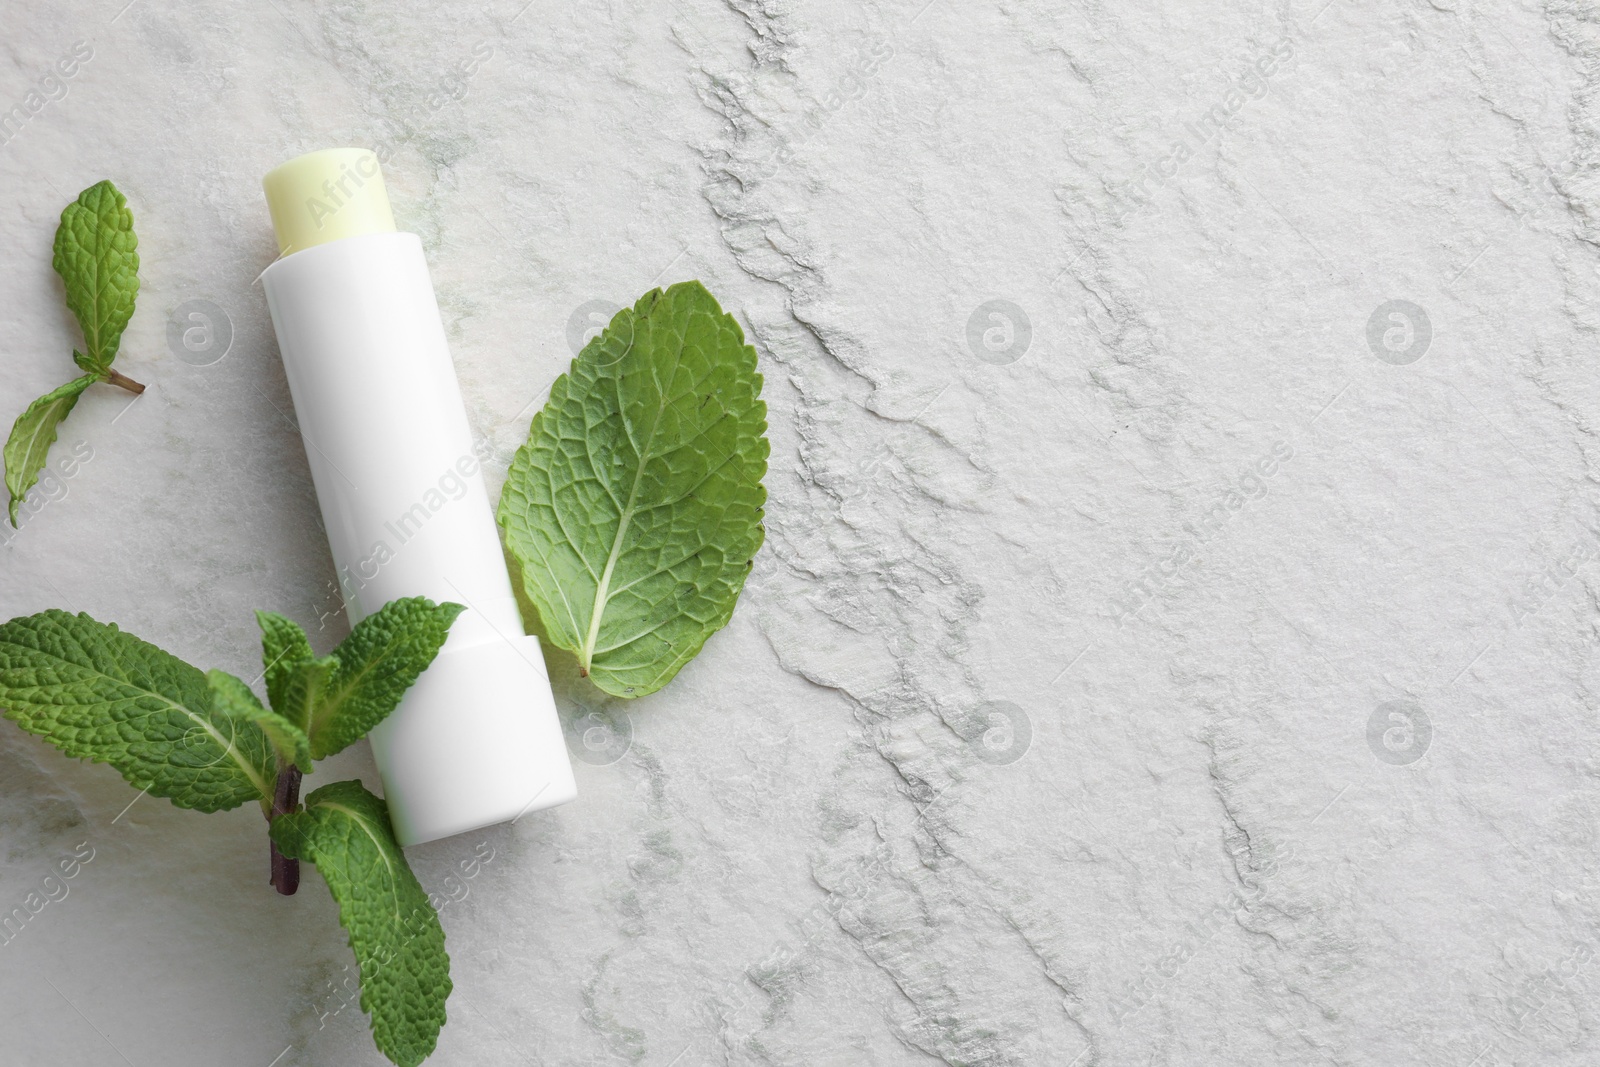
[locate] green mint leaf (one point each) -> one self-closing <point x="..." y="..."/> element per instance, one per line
<point x="296" y="679"/>
<point x="100" y="694"/>
<point x="394" y="931"/>
<point x="305" y="691"/>
<point x="634" y="508"/>
<point x="96" y="258"/>
<point x="233" y="698"/>
<point x="284" y="647"/>
<point x="376" y="664"/>
<point x="32" y="435"/>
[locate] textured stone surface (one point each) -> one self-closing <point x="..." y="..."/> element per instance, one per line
<point x="1074" y="712"/>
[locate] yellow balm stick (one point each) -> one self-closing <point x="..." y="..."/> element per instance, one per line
<point x="327" y="196"/>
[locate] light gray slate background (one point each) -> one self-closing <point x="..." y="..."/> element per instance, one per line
<point x="1189" y="659"/>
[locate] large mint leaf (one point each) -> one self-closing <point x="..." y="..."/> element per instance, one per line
<point x="100" y="694"/>
<point x="375" y="665"/>
<point x="394" y="931"/>
<point x="32" y="435"/>
<point x="634" y="509"/>
<point x="96" y="258"/>
<point x="232" y="697"/>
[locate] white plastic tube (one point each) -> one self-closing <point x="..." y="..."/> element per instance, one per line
<point x="476" y="740"/>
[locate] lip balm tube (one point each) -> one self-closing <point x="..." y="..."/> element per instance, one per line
<point x="476" y="740"/>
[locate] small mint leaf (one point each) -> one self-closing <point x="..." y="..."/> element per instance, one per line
<point x="634" y="508"/>
<point x="100" y="694"/>
<point x="305" y="688"/>
<point x="86" y="364"/>
<point x="394" y="931"/>
<point x="233" y="698"/>
<point x="376" y="664"/>
<point x="32" y="435"/>
<point x="96" y="258"/>
<point x="283" y="648"/>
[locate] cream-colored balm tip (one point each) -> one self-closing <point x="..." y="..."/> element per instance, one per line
<point x="327" y="196"/>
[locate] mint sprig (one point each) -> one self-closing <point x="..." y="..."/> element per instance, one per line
<point x="97" y="258"/>
<point x="394" y="931"/>
<point x="206" y="741"/>
<point x="634" y="509"/>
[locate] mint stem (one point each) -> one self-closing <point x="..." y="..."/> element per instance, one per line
<point x="116" y="377"/>
<point x="286" y="798"/>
